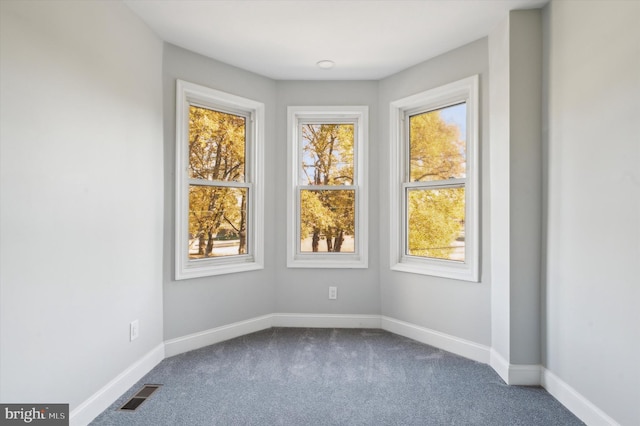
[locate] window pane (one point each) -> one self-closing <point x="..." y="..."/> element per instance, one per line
<point x="436" y="223"/>
<point x="217" y="221"/>
<point x="327" y="154"/>
<point x="327" y="221"/>
<point x="216" y="145"/>
<point x="437" y="144"/>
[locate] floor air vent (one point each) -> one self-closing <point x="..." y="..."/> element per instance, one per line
<point x="140" y="397"/>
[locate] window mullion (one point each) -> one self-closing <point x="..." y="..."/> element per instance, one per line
<point x="434" y="184"/>
<point x="228" y="184"/>
<point x="328" y="187"/>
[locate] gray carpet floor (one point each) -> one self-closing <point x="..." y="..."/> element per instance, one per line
<point x="298" y="376"/>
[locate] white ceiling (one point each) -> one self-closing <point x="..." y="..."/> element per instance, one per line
<point x="283" y="39"/>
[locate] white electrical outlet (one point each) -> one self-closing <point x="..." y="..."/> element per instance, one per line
<point x="134" y="330"/>
<point x="333" y="293"/>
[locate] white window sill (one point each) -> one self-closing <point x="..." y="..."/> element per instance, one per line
<point x="436" y="268"/>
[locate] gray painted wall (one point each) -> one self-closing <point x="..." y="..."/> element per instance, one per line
<point x="81" y="106"/>
<point x="200" y="304"/>
<point x="515" y="52"/>
<point x="525" y="168"/>
<point x="458" y="308"/>
<point x="499" y="82"/>
<point x="81" y="211"/>
<point x="306" y="290"/>
<point x="592" y="83"/>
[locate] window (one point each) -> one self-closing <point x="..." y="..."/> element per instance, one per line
<point x="434" y="182"/>
<point x="327" y="198"/>
<point x="218" y="182"/>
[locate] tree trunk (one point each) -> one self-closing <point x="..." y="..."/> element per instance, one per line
<point x="209" y="249"/>
<point x="315" y="241"/>
<point x="329" y="241"/>
<point x="339" y="241"/>
<point x="201" y="243"/>
<point x="242" y="248"/>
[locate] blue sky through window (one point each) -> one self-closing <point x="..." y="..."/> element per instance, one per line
<point x="456" y="114"/>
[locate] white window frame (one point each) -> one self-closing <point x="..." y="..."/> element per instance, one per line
<point x="465" y="90"/>
<point x="188" y="94"/>
<point x="359" y="116"/>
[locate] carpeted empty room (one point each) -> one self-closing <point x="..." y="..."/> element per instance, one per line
<point x="303" y="376"/>
<point x="320" y="212"/>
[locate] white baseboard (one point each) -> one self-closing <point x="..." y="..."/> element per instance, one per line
<point x="584" y="409"/>
<point x="525" y="374"/>
<point x="531" y="375"/>
<point x="219" y="334"/>
<point x="499" y="365"/>
<point x="216" y="335"/>
<point x="440" y="340"/>
<point x="462" y="347"/>
<point x="515" y="374"/>
<point x="326" y="321"/>
<point x="101" y="400"/>
<point x="511" y="374"/>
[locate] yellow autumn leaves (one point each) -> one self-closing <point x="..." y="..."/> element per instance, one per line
<point x="217" y="208"/>
<point x="436" y="209"/>
<point x="218" y="197"/>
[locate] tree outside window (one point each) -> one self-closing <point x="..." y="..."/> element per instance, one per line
<point x="327" y="217"/>
<point x="217" y="214"/>
<point x="219" y="185"/>
<point x="434" y="176"/>
<point x="436" y="204"/>
<point x="327" y="198"/>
